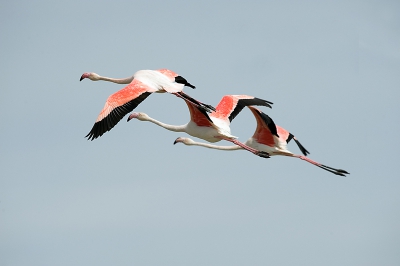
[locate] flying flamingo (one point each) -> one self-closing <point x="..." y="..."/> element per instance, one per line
<point x="215" y="126"/>
<point x="268" y="138"/>
<point x="141" y="85"/>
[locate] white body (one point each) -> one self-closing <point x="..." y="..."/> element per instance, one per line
<point x="215" y="126"/>
<point x="140" y="86"/>
<point x="157" y="81"/>
<point x="280" y="147"/>
<point x="210" y="134"/>
<point x="267" y="132"/>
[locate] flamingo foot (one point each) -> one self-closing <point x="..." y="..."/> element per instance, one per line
<point x="263" y="154"/>
<point x="335" y="171"/>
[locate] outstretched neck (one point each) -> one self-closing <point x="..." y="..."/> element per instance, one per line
<point x="216" y="147"/>
<point x="174" y="128"/>
<point x="118" y="81"/>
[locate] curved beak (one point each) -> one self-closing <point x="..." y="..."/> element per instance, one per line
<point x="131" y="116"/>
<point x="84" y="75"/>
<point x="176" y="141"/>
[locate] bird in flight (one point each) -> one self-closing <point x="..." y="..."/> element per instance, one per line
<point x="140" y="86"/>
<point x="215" y="126"/>
<point x="268" y="138"/>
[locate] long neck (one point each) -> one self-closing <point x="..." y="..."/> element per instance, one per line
<point x="118" y="81"/>
<point x="174" y="128"/>
<point x="216" y="147"/>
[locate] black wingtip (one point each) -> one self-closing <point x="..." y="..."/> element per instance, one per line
<point x="209" y="108"/>
<point x="262" y="102"/>
<point x="301" y="147"/>
<point x="90" y="136"/>
<point x="202" y="106"/>
<point x="269" y="122"/>
<point x="248" y="102"/>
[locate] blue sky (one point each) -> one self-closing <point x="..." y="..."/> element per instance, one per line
<point x="331" y="69"/>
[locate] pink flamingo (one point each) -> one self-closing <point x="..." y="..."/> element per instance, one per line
<point x="215" y="126"/>
<point x="141" y="85"/>
<point x="269" y="138"/>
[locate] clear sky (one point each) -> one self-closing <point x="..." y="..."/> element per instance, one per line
<point x="331" y="68"/>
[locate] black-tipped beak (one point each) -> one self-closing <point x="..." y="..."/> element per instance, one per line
<point x="129" y="118"/>
<point x="84" y="75"/>
<point x="176" y="141"/>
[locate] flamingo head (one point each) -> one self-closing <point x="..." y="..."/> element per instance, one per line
<point x="185" y="141"/>
<point x="90" y="75"/>
<point x="139" y="116"/>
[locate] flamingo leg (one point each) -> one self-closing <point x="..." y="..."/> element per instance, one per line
<point x="335" y="171"/>
<point x="341" y="171"/>
<point x="262" y="154"/>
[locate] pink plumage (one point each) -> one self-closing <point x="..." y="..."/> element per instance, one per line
<point x="140" y="86"/>
<point x="215" y="126"/>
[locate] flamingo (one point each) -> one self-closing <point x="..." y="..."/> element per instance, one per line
<point x="215" y="126"/>
<point x="141" y="85"/>
<point x="269" y="138"/>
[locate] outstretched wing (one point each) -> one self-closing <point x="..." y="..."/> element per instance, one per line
<point x="266" y="128"/>
<point x="287" y="136"/>
<point x="117" y="106"/>
<point x="199" y="116"/>
<point x="231" y="105"/>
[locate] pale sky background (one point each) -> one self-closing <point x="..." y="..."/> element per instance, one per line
<point x="331" y="68"/>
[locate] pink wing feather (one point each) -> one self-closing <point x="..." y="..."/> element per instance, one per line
<point x="231" y="105"/>
<point x="117" y="106"/>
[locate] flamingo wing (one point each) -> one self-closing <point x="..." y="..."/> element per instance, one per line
<point x="231" y="105"/>
<point x="301" y="147"/>
<point x="117" y="106"/>
<point x="199" y="116"/>
<point x="266" y="128"/>
<point x="287" y="136"/>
